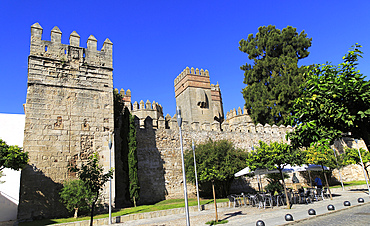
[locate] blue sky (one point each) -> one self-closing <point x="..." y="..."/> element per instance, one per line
<point x="153" y="41"/>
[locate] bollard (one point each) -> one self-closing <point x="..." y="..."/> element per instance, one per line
<point x="288" y="217"/>
<point x="311" y="212"/>
<point x="331" y="207"/>
<point x="347" y="203"/>
<point x="260" y="223"/>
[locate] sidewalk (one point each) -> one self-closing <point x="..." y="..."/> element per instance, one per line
<point x="250" y="215"/>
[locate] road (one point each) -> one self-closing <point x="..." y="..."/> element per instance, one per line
<point x="359" y="215"/>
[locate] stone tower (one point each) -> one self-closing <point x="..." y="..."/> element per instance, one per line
<point x="69" y="113"/>
<point x="198" y="100"/>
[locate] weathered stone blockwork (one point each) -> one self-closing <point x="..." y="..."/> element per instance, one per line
<point x="160" y="172"/>
<point x="69" y="112"/>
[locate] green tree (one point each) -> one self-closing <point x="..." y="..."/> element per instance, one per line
<point x="125" y="123"/>
<point x="335" y="100"/>
<point x="221" y="158"/>
<point x="350" y="156"/>
<point x="274" y="78"/>
<point x="91" y="174"/>
<point x="12" y="156"/>
<point x="320" y="153"/>
<point x="274" y="184"/>
<point x="275" y="156"/>
<point x="74" y="196"/>
<point x="134" y="187"/>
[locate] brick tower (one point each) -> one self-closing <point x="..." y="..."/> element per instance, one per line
<point x="198" y="100"/>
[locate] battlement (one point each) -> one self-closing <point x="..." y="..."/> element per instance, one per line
<point x="191" y="78"/>
<point x="144" y="110"/>
<point x="126" y="97"/>
<point x="188" y="71"/>
<point x="55" y="50"/>
<point x="170" y="123"/>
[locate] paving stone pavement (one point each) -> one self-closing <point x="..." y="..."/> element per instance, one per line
<point x="249" y="215"/>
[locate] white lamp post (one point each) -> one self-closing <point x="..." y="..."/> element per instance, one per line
<point x="110" y="179"/>
<point x="196" y="175"/>
<point x="179" y="121"/>
<point x="363" y="168"/>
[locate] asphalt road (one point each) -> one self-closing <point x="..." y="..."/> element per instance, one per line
<point x="359" y="215"/>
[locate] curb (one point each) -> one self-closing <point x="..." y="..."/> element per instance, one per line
<point x="323" y="214"/>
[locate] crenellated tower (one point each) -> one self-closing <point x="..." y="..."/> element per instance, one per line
<point x="199" y="101"/>
<point x="69" y="113"/>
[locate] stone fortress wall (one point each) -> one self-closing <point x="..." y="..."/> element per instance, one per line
<point x="160" y="172"/>
<point x="69" y="112"/>
<point x="158" y="140"/>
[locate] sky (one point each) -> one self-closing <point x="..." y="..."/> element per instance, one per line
<point x="153" y="41"/>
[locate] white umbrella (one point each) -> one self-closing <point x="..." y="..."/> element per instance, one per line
<point x="242" y="172"/>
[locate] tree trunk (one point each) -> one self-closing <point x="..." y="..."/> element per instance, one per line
<point x="327" y="183"/>
<point x="76" y="211"/>
<point x="92" y="210"/>
<point x="367" y="172"/>
<point x="214" y="199"/>
<point x="134" y="200"/>
<point x="286" y="193"/>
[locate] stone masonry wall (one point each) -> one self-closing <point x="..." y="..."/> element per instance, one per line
<point x="69" y="113"/>
<point x="160" y="172"/>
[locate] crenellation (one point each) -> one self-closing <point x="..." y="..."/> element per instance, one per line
<point x="56" y="35"/>
<point x="92" y="43"/>
<point x="201" y="71"/>
<point x="148" y="105"/>
<point x="74" y="39"/>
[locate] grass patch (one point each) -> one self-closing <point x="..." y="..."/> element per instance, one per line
<point x="350" y="183"/>
<point x="162" y="205"/>
<point x="218" y="222"/>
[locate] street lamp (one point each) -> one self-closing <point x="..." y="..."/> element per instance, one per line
<point x="110" y="179"/>
<point x="363" y="168"/>
<point x="179" y="122"/>
<point x="196" y="175"/>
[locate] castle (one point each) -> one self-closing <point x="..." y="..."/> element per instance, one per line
<point x="69" y="114"/>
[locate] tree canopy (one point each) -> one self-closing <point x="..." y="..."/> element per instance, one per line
<point x="74" y="195"/>
<point x="216" y="161"/>
<point x="274" y="78"/>
<point x="275" y="156"/>
<point x="12" y="156"/>
<point x="335" y="101"/>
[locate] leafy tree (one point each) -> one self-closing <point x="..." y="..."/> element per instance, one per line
<point x="12" y="156"/>
<point x="335" y="100"/>
<point x="320" y="153"/>
<point x="134" y="187"/>
<point x="212" y="174"/>
<point x="351" y="156"/>
<point x="91" y="174"/>
<point x="275" y="156"/>
<point x="274" y="78"/>
<point x="74" y="196"/>
<point x="217" y="161"/>
<point x="274" y="184"/>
